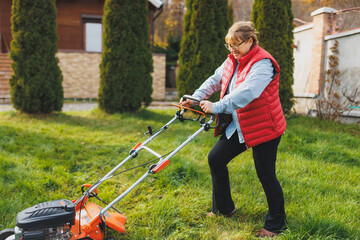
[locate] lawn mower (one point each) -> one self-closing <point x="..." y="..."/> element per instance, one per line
<point x="81" y="219"/>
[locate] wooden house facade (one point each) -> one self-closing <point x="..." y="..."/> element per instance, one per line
<point x="79" y="30"/>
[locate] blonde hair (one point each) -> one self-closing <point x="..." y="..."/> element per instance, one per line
<point x="241" y="31"/>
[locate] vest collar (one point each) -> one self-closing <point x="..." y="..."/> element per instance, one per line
<point x="244" y="59"/>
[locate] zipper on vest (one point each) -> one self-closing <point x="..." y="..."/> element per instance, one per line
<point x="247" y="148"/>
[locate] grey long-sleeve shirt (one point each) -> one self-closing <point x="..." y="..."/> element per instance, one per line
<point x="258" y="78"/>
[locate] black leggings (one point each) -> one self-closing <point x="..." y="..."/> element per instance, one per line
<point x="264" y="157"/>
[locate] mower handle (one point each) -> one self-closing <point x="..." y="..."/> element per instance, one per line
<point x="195" y="99"/>
<point x="187" y="108"/>
<point x="205" y="126"/>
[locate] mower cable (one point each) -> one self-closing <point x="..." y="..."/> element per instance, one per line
<point x="120" y="151"/>
<point x="106" y="204"/>
<point x="81" y="205"/>
<point x="126" y="170"/>
<point x="141" y="165"/>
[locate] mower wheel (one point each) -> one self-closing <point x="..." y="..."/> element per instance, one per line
<point x="6" y="233"/>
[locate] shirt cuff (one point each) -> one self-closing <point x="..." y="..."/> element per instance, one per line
<point x="217" y="108"/>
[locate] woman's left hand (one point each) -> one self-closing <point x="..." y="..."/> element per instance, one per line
<point x="206" y="106"/>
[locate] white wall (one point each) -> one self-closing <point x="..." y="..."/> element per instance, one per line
<point x="349" y="58"/>
<point x="349" y="65"/>
<point x="302" y="59"/>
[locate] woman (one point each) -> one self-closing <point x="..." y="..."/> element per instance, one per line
<point x="249" y="85"/>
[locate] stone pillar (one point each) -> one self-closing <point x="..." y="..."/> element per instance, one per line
<point x="158" y="76"/>
<point x="322" y="19"/>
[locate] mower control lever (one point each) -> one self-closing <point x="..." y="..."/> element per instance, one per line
<point x="150" y="132"/>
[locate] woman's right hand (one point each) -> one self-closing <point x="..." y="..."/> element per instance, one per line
<point x="186" y="103"/>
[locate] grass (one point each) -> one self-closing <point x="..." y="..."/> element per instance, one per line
<point x="48" y="157"/>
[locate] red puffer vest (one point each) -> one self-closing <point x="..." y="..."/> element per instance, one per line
<point x="262" y="119"/>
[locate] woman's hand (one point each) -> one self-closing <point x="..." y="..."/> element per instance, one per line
<point x="186" y="103"/>
<point x="206" y="106"/>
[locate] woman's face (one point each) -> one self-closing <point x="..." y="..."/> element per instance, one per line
<point x="240" y="49"/>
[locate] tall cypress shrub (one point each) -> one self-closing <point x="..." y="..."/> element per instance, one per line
<point x="273" y="19"/>
<point x="126" y="65"/>
<point x="36" y="84"/>
<point x="230" y="13"/>
<point x="202" y="48"/>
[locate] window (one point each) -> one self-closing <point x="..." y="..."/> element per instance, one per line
<point x="93" y="39"/>
<point x="92" y="33"/>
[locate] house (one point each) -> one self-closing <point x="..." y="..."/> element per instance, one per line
<point x="79" y="29"/>
<point x="314" y="42"/>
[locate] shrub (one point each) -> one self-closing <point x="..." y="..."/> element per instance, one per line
<point x="126" y="65"/>
<point x="36" y="85"/>
<point x="202" y="48"/>
<point x="273" y="19"/>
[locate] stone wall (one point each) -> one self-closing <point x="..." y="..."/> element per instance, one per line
<point x="82" y="75"/>
<point x="313" y="43"/>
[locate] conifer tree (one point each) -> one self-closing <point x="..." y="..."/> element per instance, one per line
<point x="36" y="84"/>
<point x="230" y="13"/>
<point x="273" y="19"/>
<point x="202" y="48"/>
<point x="126" y="65"/>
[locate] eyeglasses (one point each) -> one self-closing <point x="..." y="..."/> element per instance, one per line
<point x="230" y="46"/>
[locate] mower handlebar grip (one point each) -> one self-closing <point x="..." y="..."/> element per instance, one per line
<point x="191" y="98"/>
<point x="195" y="99"/>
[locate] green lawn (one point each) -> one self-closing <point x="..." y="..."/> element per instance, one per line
<point x="48" y="157"/>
